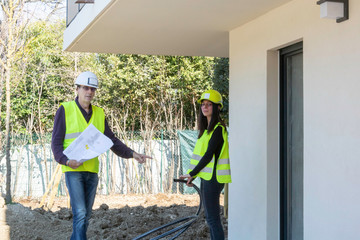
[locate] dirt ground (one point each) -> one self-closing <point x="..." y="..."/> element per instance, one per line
<point x="114" y="217"/>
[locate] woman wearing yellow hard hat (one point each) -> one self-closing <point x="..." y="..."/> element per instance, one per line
<point x="210" y="159"/>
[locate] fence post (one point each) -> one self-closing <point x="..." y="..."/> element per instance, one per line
<point x="107" y="172"/>
<point x="161" y="163"/>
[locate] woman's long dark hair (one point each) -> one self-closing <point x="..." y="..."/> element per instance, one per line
<point x="215" y="118"/>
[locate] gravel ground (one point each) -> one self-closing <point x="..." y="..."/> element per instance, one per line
<point x="114" y="217"/>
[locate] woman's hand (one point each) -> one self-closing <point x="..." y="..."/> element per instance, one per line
<point x="141" y="158"/>
<point x="189" y="179"/>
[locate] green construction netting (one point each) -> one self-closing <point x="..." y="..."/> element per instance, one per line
<point x="187" y="140"/>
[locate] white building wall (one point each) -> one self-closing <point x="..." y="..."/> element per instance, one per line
<point x="82" y="21"/>
<point x="331" y="122"/>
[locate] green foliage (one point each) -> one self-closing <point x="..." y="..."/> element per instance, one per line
<point x="221" y="82"/>
<point x="40" y="79"/>
<point x="137" y="91"/>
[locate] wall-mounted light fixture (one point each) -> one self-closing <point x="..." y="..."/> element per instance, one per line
<point x="334" y="9"/>
<point x="84" y="1"/>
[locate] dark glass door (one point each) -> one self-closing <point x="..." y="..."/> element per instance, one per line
<point x="291" y="143"/>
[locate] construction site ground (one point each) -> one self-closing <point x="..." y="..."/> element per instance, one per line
<point x="114" y="217"/>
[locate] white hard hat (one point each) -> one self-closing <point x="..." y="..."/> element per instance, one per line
<point x="87" y="79"/>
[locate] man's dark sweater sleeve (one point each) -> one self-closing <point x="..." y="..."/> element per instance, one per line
<point x="58" y="136"/>
<point x="119" y="148"/>
<point x="214" y="147"/>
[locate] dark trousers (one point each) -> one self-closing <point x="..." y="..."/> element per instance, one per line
<point x="210" y="191"/>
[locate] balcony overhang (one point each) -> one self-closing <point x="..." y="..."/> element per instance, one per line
<point x="161" y="27"/>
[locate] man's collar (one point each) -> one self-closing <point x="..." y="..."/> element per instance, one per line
<point x="77" y="103"/>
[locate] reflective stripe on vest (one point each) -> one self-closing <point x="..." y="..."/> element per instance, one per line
<point x="208" y="169"/>
<point x="72" y="135"/>
<point x="223" y="173"/>
<point x="75" y="125"/>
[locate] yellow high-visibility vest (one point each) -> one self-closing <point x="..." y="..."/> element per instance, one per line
<point x="223" y="173"/>
<point x="75" y="125"/>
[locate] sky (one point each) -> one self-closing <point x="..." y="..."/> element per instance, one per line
<point x="40" y="11"/>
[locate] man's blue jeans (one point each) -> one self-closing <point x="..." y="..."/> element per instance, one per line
<point x="82" y="190"/>
<point x="210" y="191"/>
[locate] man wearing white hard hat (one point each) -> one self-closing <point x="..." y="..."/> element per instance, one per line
<point x="71" y="119"/>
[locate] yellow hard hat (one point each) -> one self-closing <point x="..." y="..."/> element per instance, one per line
<point x="213" y="96"/>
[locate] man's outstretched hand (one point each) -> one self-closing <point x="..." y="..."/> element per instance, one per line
<point x="141" y="158"/>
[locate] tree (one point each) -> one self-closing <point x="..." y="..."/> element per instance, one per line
<point x="12" y="42"/>
<point x="169" y="85"/>
<point x="221" y="82"/>
<point x="138" y="92"/>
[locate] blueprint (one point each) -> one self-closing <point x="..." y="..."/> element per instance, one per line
<point x="91" y="143"/>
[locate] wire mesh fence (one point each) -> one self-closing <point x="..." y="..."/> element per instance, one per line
<point x="33" y="165"/>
